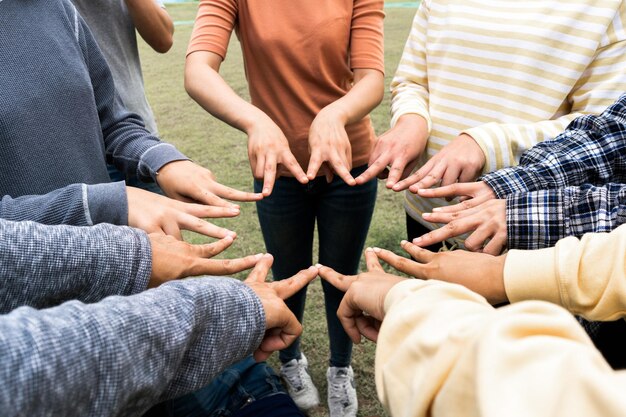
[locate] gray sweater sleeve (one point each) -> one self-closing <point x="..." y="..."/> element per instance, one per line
<point x="122" y="355"/>
<point x="129" y="145"/>
<point x="42" y="266"/>
<point x="76" y="204"/>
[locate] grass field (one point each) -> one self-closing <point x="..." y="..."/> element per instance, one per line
<point x="222" y="149"/>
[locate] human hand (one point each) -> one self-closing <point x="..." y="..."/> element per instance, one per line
<point x="267" y="148"/>
<point x="471" y="194"/>
<point x="461" y="160"/>
<point x="282" y="327"/>
<point x="362" y="309"/>
<point x="174" y="259"/>
<point x="481" y="273"/>
<point x="329" y="144"/>
<point x="154" y="213"/>
<point x="189" y="182"/>
<point x="486" y="222"/>
<point x="396" y="151"/>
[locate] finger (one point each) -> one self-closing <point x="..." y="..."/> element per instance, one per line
<point x="204" y="211"/>
<point x="443" y="217"/>
<point x="371" y="260"/>
<point x="263" y="263"/>
<point x="289" y="161"/>
<point x="210" y="250"/>
<point x="396" y="171"/>
<point x="347" y="315"/>
<point x="452" y="190"/>
<point x="334" y="278"/>
<point x="269" y="174"/>
<point x="496" y="245"/>
<point x="368" y="326"/>
<point x="462" y="206"/>
<point x="414" y="178"/>
<point x="430" y="179"/>
<point x="259" y="167"/>
<point x="194" y="224"/>
<point x="476" y="241"/>
<point x="468" y="176"/>
<point x="342" y="169"/>
<point x="205" y="196"/>
<point x="284" y="334"/>
<point x="375" y="168"/>
<point x="450" y="176"/>
<point x="235" y="195"/>
<point x="421" y="255"/>
<point x="171" y="228"/>
<point x="314" y="165"/>
<point x="452" y="229"/>
<point x="400" y="263"/>
<point x="287" y="287"/>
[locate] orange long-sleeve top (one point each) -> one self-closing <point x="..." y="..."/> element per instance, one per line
<point x="299" y="56"/>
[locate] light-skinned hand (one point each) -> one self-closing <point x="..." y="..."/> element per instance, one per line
<point x="479" y="272"/>
<point x="362" y="309"/>
<point x="396" y="151"/>
<point x="486" y="222"/>
<point x="471" y="194"/>
<point x="154" y="213"/>
<point x="329" y="144"/>
<point x="461" y="160"/>
<point x="268" y="151"/>
<point x="174" y="259"/>
<point x="189" y="182"/>
<point x="282" y="327"/>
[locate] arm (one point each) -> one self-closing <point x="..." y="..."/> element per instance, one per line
<point x="539" y="219"/>
<point x="76" y="204"/>
<point x="124" y="354"/>
<point x="591" y="150"/>
<point x="153" y="23"/>
<point x="442" y="350"/>
<point x="595" y="91"/>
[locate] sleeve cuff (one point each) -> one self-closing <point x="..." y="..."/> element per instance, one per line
<point x="144" y="268"/>
<point x="531" y="275"/>
<point x="106" y="203"/>
<point x="155" y="158"/>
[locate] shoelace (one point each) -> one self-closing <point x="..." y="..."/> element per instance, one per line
<point x="295" y="378"/>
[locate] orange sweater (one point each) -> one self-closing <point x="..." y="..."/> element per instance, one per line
<point x="298" y="57"/>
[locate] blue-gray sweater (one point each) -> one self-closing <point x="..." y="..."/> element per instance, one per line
<point x="60" y="117"/>
<point x="118" y="356"/>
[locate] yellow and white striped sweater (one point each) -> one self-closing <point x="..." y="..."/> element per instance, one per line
<point x="509" y="73"/>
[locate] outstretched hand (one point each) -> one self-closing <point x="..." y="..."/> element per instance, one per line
<point x="282" y="327"/>
<point x="362" y="309"/>
<point x="174" y="259"/>
<point x="189" y="182"/>
<point x="471" y="194"/>
<point x="479" y="272"/>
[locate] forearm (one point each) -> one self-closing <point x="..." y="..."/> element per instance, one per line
<point x="42" y="266"/>
<point x="122" y="355"/>
<point x="153" y="23"/>
<point x="363" y="97"/>
<point x="446" y="347"/>
<point x="206" y="86"/>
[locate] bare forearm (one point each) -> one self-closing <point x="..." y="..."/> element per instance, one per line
<point x="153" y="24"/>
<point x="365" y="95"/>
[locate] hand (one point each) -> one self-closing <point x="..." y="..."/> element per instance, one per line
<point x="154" y="213"/>
<point x="471" y="194"/>
<point x="486" y="222"/>
<point x="329" y="144"/>
<point x="282" y="327"/>
<point x="186" y="181"/>
<point x="267" y="148"/>
<point x="398" y="149"/>
<point x="480" y="273"/>
<point x="461" y="160"/>
<point x="173" y="259"/>
<point x="362" y="309"/>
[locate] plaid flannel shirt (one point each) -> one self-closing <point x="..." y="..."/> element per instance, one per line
<point x="572" y="185"/>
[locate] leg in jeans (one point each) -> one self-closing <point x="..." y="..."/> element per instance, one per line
<point x="344" y="216"/>
<point x="287" y="220"/>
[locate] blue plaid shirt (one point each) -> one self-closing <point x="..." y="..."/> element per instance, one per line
<point x="572" y="185"/>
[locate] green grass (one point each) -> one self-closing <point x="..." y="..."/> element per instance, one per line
<point x="222" y="149"/>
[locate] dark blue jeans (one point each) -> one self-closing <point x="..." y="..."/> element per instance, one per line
<point x="343" y="216"/>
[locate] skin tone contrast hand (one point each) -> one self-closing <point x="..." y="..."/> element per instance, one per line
<point x="173" y="259"/>
<point x="396" y="151"/>
<point x="154" y="213"/>
<point x="461" y="160"/>
<point x="479" y="272"/>
<point x="186" y="181"/>
<point x="486" y="222"/>
<point x="471" y="194"/>
<point x="153" y="23"/>
<point x="362" y="309"/>
<point x="282" y="327"/>
<point x="328" y="141"/>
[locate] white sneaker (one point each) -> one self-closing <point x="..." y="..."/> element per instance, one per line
<point x="342" y="401"/>
<point x="299" y="383"/>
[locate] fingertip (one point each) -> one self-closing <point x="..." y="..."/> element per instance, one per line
<point x="318" y="265"/>
<point x="369" y="249"/>
<point x="377" y="250"/>
<point x="426" y="215"/>
<point x="403" y="242"/>
<point x="417" y="240"/>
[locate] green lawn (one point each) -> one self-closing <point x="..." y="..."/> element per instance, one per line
<point x="222" y="149"/>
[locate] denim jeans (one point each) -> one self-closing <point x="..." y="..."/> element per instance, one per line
<point x="343" y="214"/>
<point x="132" y="180"/>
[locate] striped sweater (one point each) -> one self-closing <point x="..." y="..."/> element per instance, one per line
<point x="508" y="73"/>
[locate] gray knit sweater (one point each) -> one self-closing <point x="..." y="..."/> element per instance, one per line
<point x="118" y="356"/>
<point x="60" y="116"/>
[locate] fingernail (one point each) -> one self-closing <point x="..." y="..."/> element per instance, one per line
<point x="313" y="268"/>
<point x="417" y="239"/>
<point x="404" y="242"/>
<point x="377" y="250"/>
<point x="437" y="209"/>
<point x="266" y="190"/>
<point x="229" y="238"/>
<point x="318" y="266"/>
<point x="259" y="255"/>
<point x="234" y="210"/>
<point x="426" y="214"/>
<point x="369" y="250"/>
